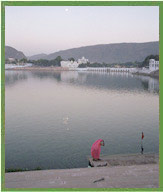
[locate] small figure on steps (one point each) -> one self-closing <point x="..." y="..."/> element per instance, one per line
<point x="142" y="148"/>
<point x="96" y="149"/>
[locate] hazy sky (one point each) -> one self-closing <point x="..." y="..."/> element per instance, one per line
<point x="48" y="29"/>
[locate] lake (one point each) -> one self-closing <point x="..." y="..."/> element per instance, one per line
<point x="53" y="118"/>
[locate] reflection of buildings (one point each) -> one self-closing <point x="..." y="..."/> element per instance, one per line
<point x="111" y="69"/>
<point x="153" y="65"/>
<point x="13" y="77"/>
<point x="73" y="64"/>
<point x="73" y="77"/>
<point x="118" y="81"/>
<point x="44" y="75"/>
<point x="150" y="84"/>
<point x="153" y="85"/>
<point x="111" y="73"/>
<point x="69" y="76"/>
<point x="112" y="80"/>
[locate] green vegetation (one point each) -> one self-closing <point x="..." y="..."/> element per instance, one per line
<point x="71" y="59"/>
<point x="15" y="61"/>
<point x="128" y="65"/>
<point x="24" y="60"/>
<point x="7" y="61"/>
<point x="46" y="63"/>
<point x="37" y="168"/>
<point x="57" y="62"/>
<point x="145" y="63"/>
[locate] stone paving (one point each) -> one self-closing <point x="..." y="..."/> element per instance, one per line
<point x="134" y="176"/>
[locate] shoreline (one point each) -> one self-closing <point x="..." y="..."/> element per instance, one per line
<point x="51" y="69"/>
<point x="112" y="160"/>
<point x="154" y="74"/>
<point x="139" y="171"/>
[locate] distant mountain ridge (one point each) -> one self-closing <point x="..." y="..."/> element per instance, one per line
<point x="107" y="53"/>
<point x="11" y="52"/>
<point x="38" y="56"/>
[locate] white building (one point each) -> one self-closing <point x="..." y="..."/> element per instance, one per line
<point x="11" y="59"/>
<point x="73" y="64"/>
<point x="69" y="64"/>
<point x="83" y="60"/>
<point x="153" y="65"/>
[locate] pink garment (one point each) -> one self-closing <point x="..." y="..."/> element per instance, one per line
<point x="96" y="149"/>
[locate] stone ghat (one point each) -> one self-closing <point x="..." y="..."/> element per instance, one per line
<point x="125" y="160"/>
<point x="135" y="176"/>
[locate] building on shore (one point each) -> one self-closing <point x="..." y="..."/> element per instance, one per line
<point x="69" y="64"/>
<point x="83" y="60"/>
<point x="153" y="65"/>
<point x="73" y="64"/>
<point x="10" y="59"/>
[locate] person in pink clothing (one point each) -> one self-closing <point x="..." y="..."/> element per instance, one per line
<point x="96" y="149"/>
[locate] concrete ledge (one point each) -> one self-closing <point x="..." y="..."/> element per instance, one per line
<point x="99" y="163"/>
<point x="126" y="160"/>
<point x="135" y="176"/>
<point x="123" y="171"/>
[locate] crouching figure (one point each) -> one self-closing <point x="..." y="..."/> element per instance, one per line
<point x="96" y="149"/>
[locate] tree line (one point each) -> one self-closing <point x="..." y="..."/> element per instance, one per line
<point x="136" y="64"/>
<point x="15" y="61"/>
<point x="127" y="64"/>
<point x="46" y="63"/>
<point x="57" y="62"/>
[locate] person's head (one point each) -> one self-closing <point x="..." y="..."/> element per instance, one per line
<point x="102" y="143"/>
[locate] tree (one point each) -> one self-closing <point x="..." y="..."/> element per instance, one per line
<point x="145" y="63"/>
<point x="82" y="65"/>
<point x="47" y="63"/>
<point x="71" y="59"/>
<point x="7" y="61"/>
<point x="23" y="60"/>
<point x="58" y="60"/>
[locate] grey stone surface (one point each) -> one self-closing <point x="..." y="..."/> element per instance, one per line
<point x="99" y="163"/>
<point x="127" y="159"/>
<point x="122" y="171"/>
<point x="135" y="176"/>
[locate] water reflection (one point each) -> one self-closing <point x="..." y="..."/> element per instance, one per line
<point x="47" y="75"/>
<point x="52" y="119"/>
<point x="149" y="83"/>
<point x="100" y="80"/>
<point x="13" y="77"/>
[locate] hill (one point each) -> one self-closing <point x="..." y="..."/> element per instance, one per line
<point x="38" y="56"/>
<point x="11" y="52"/>
<point x="108" y="53"/>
